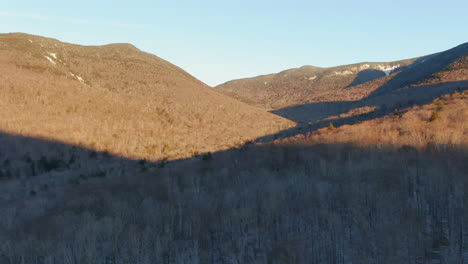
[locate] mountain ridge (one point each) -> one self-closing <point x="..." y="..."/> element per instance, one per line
<point x="273" y="91"/>
<point x="309" y="84"/>
<point x="119" y="99"/>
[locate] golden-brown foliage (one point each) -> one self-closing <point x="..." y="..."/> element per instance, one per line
<point x="119" y="99"/>
<point x="309" y="84"/>
<point x="353" y="82"/>
<point x="410" y="127"/>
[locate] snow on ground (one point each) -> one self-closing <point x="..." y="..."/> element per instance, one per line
<point x="363" y="67"/>
<point x="312" y="78"/>
<point x="54" y="55"/>
<point x="77" y="77"/>
<point x="51" y="60"/>
<point x="80" y="79"/>
<point x="30" y="41"/>
<point x="387" y="69"/>
<point x="344" y="73"/>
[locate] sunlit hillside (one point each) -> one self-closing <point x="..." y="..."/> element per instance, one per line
<point x="303" y="85"/>
<point x="118" y="99"/>
<point x="390" y="190"/>
<point x="441" y="123"/>
<point x="349" y="82"/>
<point x="110" y="155"/>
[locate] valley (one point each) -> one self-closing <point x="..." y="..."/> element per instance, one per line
<point x="112" y="155"/>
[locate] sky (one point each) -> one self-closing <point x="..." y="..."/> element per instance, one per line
<point x="217" y="41"/>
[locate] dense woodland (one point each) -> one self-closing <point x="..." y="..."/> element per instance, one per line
<point x="119" y="157"/>
<point x="257" y="204"/>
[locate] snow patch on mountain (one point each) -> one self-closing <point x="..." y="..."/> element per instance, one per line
<point x="50" y="60"/>
<point x="387" y="69"/>
<point x="77" y="77"/>
<point x="54" y="55"/>
<point x="364" y="67"/>
<point x="344" y="73"/>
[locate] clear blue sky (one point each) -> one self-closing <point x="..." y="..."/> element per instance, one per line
<point x="221" y="40"/>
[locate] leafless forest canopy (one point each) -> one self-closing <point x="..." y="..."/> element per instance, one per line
<point x="109" y="155"/>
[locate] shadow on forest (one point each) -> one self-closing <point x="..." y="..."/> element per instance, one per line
<point x="259" y="203"/>
<point x="329" y="203"/>
<point x="22" y="156"/>
<point x="395" y="94"/>
<point x="28" y="157"/>
<point x="366" y="76"/>
<point x="310" y="116"/>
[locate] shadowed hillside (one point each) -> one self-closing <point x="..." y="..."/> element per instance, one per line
<point x="334" y="203"/>
<point x="118" y="99"/>
<point x="334" y="196"/>
<point x="380" y="104"/>
<point x="309" y="85"/>
<point x="311" y="117"/>
<point x="443" y="122"/>
<point x="303" y="85"/>
<point x="109" y="155"/>
<point x="416" y="84"/>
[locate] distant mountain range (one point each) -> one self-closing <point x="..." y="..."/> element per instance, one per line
<point x="349" y="82"/>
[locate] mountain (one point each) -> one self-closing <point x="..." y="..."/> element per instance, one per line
<point x="118" y="99"/>
<point x="442" y="122"/>
<point x="300" y="85"/>
<point x="393" y="188"/>
<point x="418" y="83"/>
<point x="354" y="82"/>
<point x="384" y="183"/>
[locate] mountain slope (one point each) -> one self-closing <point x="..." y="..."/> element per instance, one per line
<point x="119" y="99"/>
<point x="417" y="83"/>
<point x="350" y="82"/>
<point x="443" y="122"/>
<point x="391" y="189"/>
<point x="301" y="85"/>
